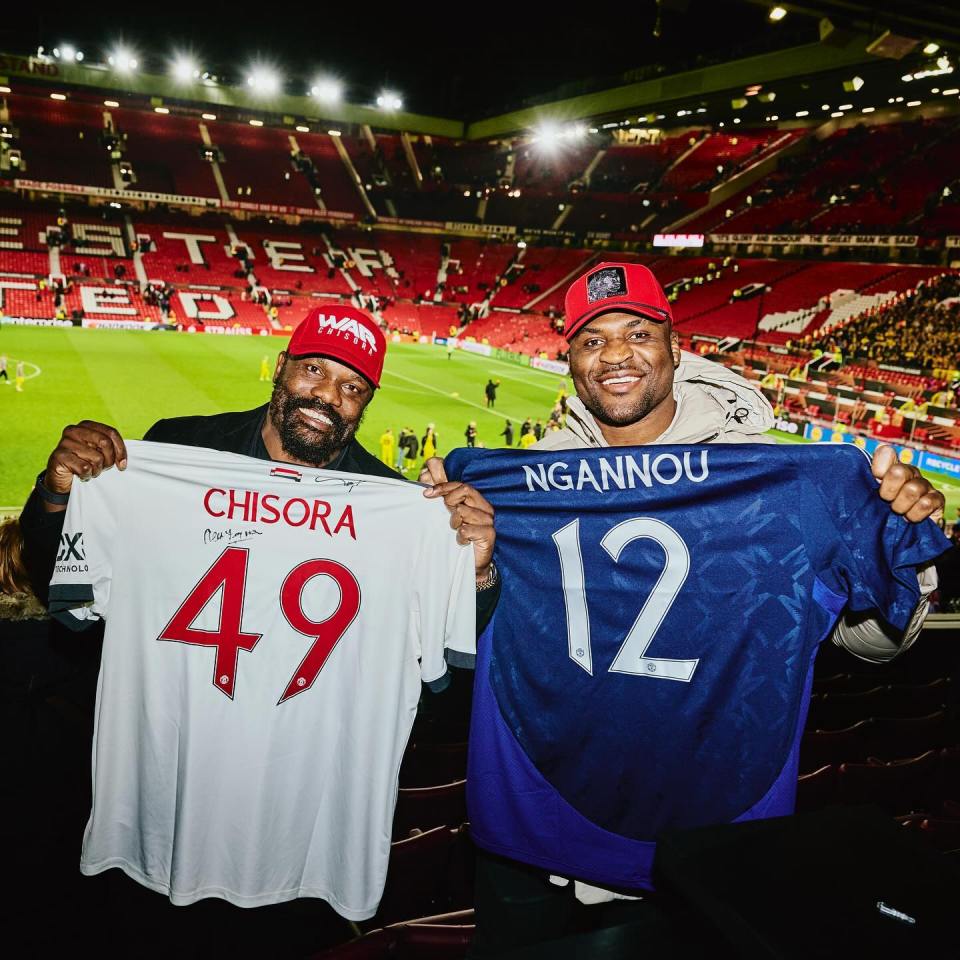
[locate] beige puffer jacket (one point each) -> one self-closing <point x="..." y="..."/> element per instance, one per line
<point x="716" y="405"/>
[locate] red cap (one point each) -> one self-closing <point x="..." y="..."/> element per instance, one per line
<point x="627" y="287"/>
<point x="344" y="333"/>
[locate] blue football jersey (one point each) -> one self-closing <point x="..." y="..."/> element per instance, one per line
<point x="650" y="661"/>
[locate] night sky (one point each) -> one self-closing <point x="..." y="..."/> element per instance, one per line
<point x="445" y="63"/>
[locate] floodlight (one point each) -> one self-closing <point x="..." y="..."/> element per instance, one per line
<point x="776" y="14"/>
<point x="327" y="89"/>
<point x="914" y="103"/>
<point x="263" y="80"/>
<point x="547" y="134"/>
<point x="388" y="100"/>
<point x="184" y="69"/>
<point x="208" y="116"/>
<point x="111" y="103"/>
<point x="58" y="96"/>
<point x="803" y="113"/>
<point x="853" y="84"/>
<point x="122" y="60"/>
<point x="302" y="129"/>
<point x="931" y="48"/>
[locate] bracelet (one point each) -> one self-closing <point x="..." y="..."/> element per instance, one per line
<point x="490" y="580"/>
<point x="59" y="499"/>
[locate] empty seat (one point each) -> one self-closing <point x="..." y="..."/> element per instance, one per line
<point x="424" y="808"/>
<point x="900" y="787"/>
<point x="430" y="764"/>
<point x="817" y="789"/>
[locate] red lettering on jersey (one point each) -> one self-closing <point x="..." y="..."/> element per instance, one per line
<point x="345" y="521"/>
<point x="206" y="502"/>
<point x="274" y="512"/>
<point x="287" y="511"/>
<point x="326" y="633"/>
<point x="244" y="502"/>
<point x="251" y="506"/>
<point x="228" y="574"/>
<point x="321" y="510"/>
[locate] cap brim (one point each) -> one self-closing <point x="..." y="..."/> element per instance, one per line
<point x="332" y="356"/>
<point x="646" y="310"/>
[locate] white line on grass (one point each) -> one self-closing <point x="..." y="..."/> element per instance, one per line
<point x="443" y="393"/>
<point x="506" y="363"/>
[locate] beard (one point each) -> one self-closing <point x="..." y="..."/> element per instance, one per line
<point x="623" y="413"/>
<point x="301" y="442"/>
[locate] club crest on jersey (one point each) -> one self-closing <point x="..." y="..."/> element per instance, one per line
<point x="331" y="325"/>
<point x="606" y="283"/>
<point x="284" y="473"/>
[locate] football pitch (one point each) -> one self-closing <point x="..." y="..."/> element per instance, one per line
<point x="131" y="379"/>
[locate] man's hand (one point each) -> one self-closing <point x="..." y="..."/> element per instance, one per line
<point x="85" y="450"/>
<point x="903" y="487"/>
<point x="470" y="514"/>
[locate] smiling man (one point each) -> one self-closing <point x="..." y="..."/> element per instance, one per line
<point x="322" y="384"/>
<point x="634" y="386"/>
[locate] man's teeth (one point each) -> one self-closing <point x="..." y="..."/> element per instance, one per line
<point x="316" y="415"/>
<point x="622" y="380"/>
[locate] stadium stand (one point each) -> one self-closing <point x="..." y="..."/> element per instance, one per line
<point x="61" y="141"/>
<point x="165" y="152"/>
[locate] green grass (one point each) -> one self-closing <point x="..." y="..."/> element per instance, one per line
<point x="131" y="379"/>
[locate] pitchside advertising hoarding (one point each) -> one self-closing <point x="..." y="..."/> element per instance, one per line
<point x="935" y="463"/>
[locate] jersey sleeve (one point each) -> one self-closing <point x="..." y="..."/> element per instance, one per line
<point x="82" y="575"/>
<point x="447" y="609"/>
<point x="875" y="555"/>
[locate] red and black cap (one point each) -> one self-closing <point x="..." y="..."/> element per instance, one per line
<point x="610" y="287"/>
<point x="344" y="333"/>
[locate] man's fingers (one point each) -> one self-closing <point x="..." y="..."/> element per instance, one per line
<point x="93" y="456"/>
<point x="883" y="459"/>
<point x="101" y="436"/>
<point x="454" y="493"/>
<point x="433" y="472"/>
<point x="74" y="466"/>
<point x="462" y="515"/>
<point x="929" y="505"/>
<point x="895" y="478"/>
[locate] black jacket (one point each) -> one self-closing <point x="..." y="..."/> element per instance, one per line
<point x="229" y="432"/>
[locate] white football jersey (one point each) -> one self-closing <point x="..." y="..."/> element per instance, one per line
<point x="267" y="630"/>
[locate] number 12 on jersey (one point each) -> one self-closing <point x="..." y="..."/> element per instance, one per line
<point x="228" y="575"/>
<point x="632" y="655"/>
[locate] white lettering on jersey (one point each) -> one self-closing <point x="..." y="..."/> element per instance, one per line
<point x="622" y="473"/>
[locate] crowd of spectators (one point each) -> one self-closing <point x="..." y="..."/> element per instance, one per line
<point x="920" y="330"/>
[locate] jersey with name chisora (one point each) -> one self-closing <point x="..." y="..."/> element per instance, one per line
<point x="268" y="627"/>
<point x="650" y="661"/>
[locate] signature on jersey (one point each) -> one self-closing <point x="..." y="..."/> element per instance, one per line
<point x="229" y="535"/>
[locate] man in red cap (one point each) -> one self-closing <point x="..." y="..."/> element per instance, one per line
<point x="322" y="384"/>
<point x="634" y="386"/>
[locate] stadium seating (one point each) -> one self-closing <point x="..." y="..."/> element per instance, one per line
<point x="165" y="152"/>
<point x="61" y="140"/>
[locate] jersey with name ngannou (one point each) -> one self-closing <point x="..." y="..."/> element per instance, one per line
<point x="650" y="661"/>
<point x="267" y="631"/>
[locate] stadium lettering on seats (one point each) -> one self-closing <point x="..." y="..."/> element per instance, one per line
<point x="251" y="506"/>
<point x="622" y="472"/>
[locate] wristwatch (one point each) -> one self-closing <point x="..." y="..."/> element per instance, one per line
<point x="59" y="499"/>
<point x="490" y="580"/>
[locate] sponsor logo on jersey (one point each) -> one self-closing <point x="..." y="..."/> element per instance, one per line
<point x="329" y="324"/>
<point x="286" y="474"/>
<point x="252" y="506"/>
<point x="71" y="547"/>
<point x="623" y="472"/>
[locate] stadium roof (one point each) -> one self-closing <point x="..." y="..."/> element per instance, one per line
<point x="496" y="73"/>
